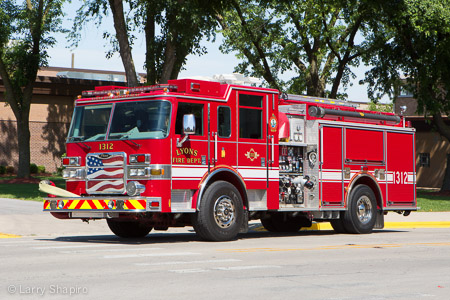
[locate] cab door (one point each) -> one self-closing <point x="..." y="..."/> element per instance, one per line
<point x="190" y="159"/>
<point x="251" y="132"/>
<point x="223" y="138"/>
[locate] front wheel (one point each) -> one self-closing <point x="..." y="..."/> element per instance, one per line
<point x="220" y="214"/>
<point x="361" y="213"/>
<point x="129" y="229"/>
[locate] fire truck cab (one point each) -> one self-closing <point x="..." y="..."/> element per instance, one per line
<point x="215" y="156"/>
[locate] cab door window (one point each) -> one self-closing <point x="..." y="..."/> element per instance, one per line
<point x="250" y="116"/>
<point x="185" y="108"/>
<point x="224" y="121"/>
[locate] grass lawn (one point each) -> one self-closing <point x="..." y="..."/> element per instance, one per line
<point x="27" y="191"/>
<point x="429" y="201"/>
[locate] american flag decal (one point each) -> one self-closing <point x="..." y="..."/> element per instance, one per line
<point x="105" y="175"/>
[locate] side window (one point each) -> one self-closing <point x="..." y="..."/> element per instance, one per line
<point x="250" y="116"/>
<point x="189" y="108"/>
<point x="424" y="159"/>
<point x="224" y="121"/>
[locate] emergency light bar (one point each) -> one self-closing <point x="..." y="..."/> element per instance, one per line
<point x="127" y="91"/>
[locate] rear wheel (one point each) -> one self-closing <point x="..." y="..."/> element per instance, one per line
<point x="338" y="224"/>
<point x="283" y="223"/>
<point x="362" y="210"/>
<point x="221" y="213"/>
<point x="129" y="229"/>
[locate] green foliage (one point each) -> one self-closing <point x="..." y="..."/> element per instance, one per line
<point x="173" y="29"/>
<point x="2" y="170"/>
<point x="41" y="169"/>
<point x="388" y="107"/>
<point x="416" y="53"/>
<point x="313" y="39"/>
<point x="9" y="170"/>
<point x="26" y="29"/>
<point x="33" y="169"/>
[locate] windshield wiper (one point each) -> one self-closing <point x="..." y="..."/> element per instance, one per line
<point x="76" y="138"/>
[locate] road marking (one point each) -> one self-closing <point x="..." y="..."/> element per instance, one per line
<point x="8" y="236"/>
<point x="73" y="246"/>
<point x="183" y="271"/>
<point x="236" y="268"/>
<point x="109" y="250"/>
<point x="335" y="247"/>
<point x="188" y="262"/>
<point x="241" y="268"/>
<point x="151" y="255"/>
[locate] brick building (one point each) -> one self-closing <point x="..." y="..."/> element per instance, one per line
<point x="51" y="109"/>
<point x="432" y="150"/>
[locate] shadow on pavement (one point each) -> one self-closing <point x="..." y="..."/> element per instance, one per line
<point x="255" y="232"/>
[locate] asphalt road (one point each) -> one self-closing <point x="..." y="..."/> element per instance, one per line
<point x="89" y="262"/>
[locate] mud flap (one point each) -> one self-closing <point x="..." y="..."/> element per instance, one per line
<point x="244" y="226"/>
<point x="379" y="223"/>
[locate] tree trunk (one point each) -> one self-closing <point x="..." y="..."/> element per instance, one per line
<point x="124" y="44"/>
<point x="441" y="126"/>
<point x="150" y="55"/>
<point x="444" y="130"/>
<point x="23" y="139"/>
<point x="446" y="182"/>
<point x="169" y="61"/>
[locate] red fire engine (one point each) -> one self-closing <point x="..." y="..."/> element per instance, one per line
<point x="215" y="156"/>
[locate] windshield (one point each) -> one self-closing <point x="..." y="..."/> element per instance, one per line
<point x="140" y="120"/>
<point x="90" y="123"/>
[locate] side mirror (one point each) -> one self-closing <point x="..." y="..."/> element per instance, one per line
<point x="188" y="128"/>
<point x="188" y="124"/>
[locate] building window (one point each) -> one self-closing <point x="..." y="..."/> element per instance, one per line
<point x="250" y="116"/>
<point x="424" y="159"/>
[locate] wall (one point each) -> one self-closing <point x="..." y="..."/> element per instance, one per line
<point x="49" y="123"/>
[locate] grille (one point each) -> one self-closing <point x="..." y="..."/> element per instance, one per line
<point x="105" y="173"/>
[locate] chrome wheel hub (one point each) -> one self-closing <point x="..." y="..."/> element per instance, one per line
<point x="364" y="209"/>
<point x="224" y="211"/>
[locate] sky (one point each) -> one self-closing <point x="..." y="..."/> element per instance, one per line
<point x="91" y="54"/>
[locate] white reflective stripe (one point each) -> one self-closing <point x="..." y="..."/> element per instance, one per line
<point x="253" y="173"/>
<point x="189" y="172"/>
<point x="390" y="177"/>
<point x="274" y="174"/>
<point x="331" y="175"/>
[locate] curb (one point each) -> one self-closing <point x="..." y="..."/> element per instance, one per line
<point x="387" y="225"/>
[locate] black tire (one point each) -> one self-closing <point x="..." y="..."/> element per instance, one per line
<point x="338" y="224"/>
<point x="281" y="223"/>
<point x="220" y="214"/>
<point x="361" y="213"/>
<point x="129" y="229"/>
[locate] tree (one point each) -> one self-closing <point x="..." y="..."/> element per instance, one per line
<point x="25" y="30"/>
<point x="416" y="52"/>
<point x="315" y="39"/>
<point x="182" y="25"/>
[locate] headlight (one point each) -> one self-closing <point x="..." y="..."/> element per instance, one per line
<point x="74" y="173"/>
<point x="139" y="172"/>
